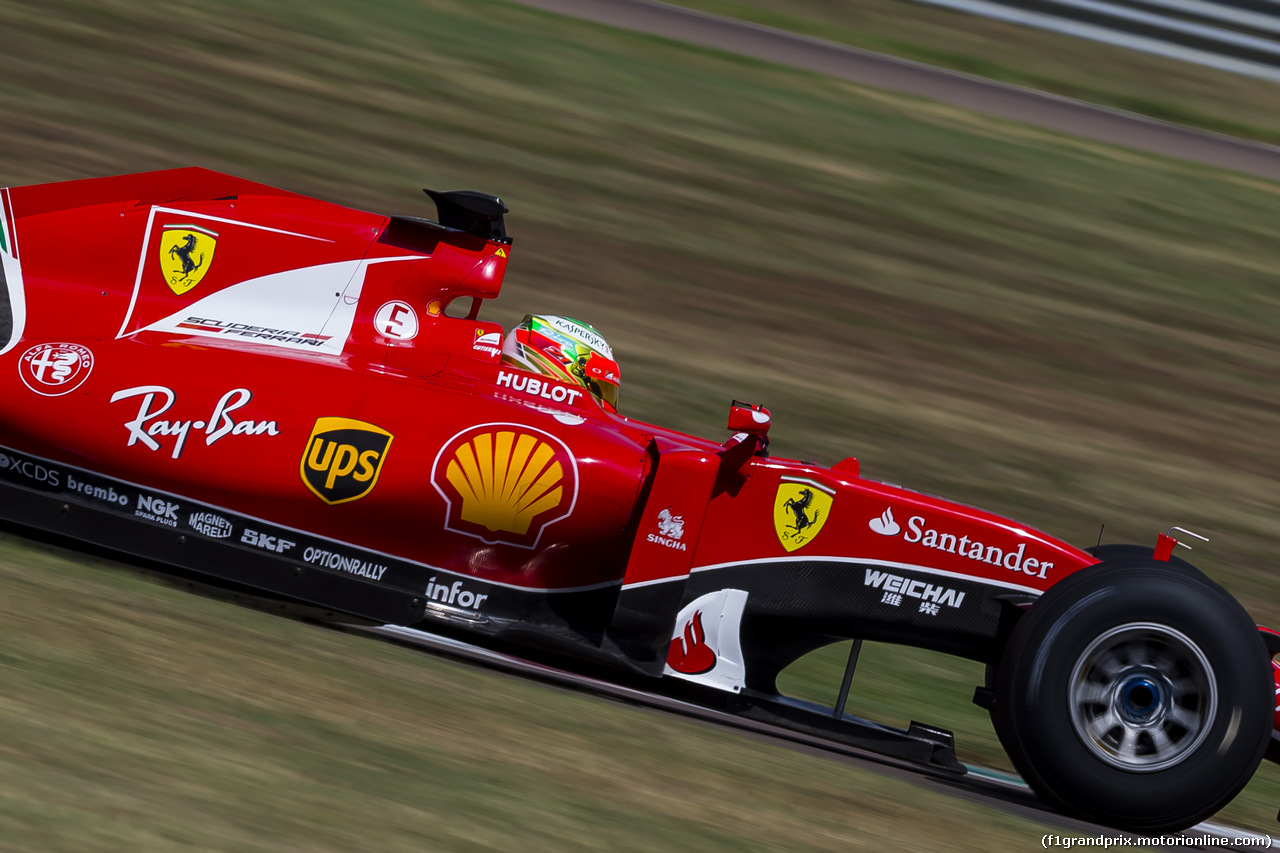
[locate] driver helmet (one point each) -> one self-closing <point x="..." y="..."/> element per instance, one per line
<point x="567" y="350"/>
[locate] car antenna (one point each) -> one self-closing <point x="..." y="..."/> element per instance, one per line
<point x="1101" y="528"/>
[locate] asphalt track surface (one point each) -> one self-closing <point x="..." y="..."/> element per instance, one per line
<point x="901" y="75"/>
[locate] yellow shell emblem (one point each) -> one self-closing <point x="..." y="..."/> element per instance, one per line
<point x="185" y="254"/>
<point x="800" y="511"/>
<point x="505" y="483"/>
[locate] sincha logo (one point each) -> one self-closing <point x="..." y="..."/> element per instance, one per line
<point x="505" y="483"/>
<point x="884" y="524"/>
<point x="800" y="510"/>
<point x="185" y="254"/>
<point x="671" y="525"/>
<point x="670" y="531"/>
<point x="343" y="458"/>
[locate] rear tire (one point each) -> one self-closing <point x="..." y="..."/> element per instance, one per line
<point x="1137" y="694"/>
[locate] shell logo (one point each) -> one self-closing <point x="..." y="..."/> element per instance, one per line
<point x="505" y="483"/>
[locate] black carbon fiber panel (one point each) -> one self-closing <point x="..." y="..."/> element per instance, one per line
<point x="852" y="599"/>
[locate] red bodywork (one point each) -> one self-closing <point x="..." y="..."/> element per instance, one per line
<point x="257" y="367"/>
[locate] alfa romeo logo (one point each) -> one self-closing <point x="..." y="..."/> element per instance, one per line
<point x="54" y="369"/>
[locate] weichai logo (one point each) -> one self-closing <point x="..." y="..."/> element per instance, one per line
<point x="343" y="458"/>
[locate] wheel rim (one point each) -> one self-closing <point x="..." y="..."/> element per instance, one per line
<point x="1142" y="697"/>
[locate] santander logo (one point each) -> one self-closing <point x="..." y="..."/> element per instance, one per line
<point x="690" y="653"/>
<point x="884" y="524"/>
<point x="920" y="533"/>
<point x="705" y="646"/>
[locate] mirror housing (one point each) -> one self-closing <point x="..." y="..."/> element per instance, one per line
<point x="750" y="418"/>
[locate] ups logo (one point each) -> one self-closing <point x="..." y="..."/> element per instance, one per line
<point x="343" y="458"/>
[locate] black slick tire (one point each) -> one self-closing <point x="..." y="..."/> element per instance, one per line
<point x="1137" y="694"/>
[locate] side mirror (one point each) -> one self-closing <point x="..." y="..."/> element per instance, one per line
<point x="749" y="418"/>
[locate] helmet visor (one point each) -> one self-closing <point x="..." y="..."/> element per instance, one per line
<point x="600" y="375"/>
<point x="605" y="392"/>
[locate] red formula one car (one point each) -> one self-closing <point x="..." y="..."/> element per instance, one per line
<point x="290" y="395"/>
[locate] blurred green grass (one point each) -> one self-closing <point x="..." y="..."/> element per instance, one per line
<point x="1155" y="86"/>
<point x="896" y="685"/>
<point x="1054" y="329"/>
<point x="141" y="718"/>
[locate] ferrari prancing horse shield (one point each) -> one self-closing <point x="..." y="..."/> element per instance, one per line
<point x="185" y="254"/>
<point x="800" y="510"/>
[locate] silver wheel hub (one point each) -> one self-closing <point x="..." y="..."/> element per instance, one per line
<point x="1142" y="697"/>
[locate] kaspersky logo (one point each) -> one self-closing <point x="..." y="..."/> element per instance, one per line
<point x="343" y="458"/>
<point x="505" y="483"/>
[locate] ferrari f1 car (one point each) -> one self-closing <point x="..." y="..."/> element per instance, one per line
<point x="301" y="398"/>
